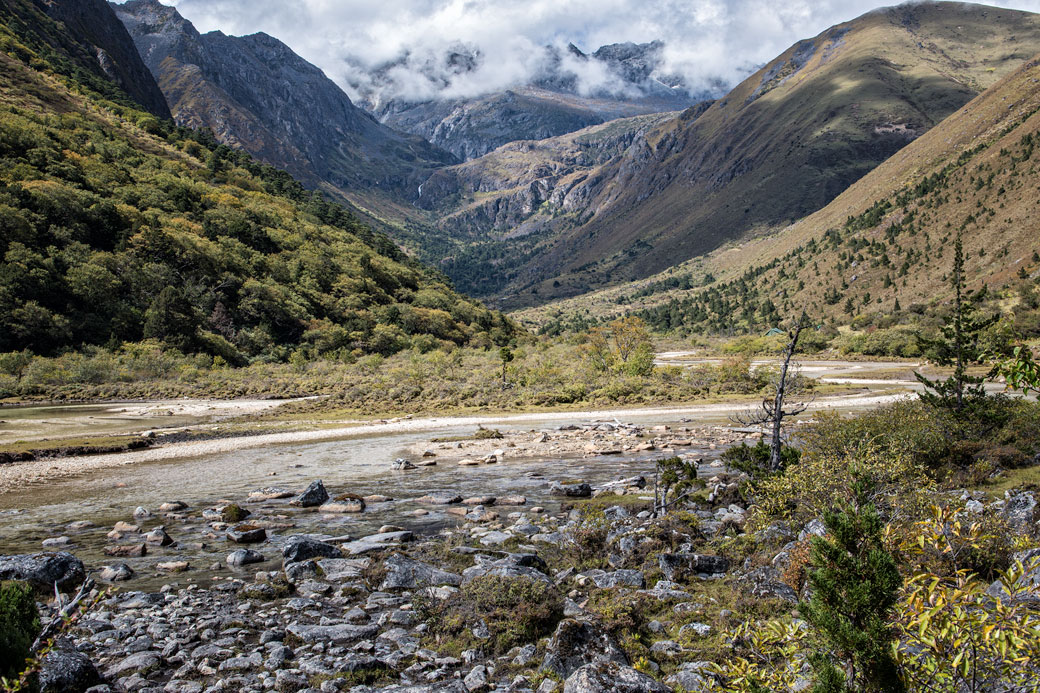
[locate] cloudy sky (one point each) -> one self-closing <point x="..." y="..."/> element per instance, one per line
<point x="706" y="40"/>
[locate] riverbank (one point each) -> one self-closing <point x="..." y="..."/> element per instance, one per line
<point x="20" y="475"/>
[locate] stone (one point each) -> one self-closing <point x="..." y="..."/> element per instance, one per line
<point x="314" y="495"/>
<point x="269" y="493"/>
<point x="342" y="569"/>
<point x="1030" y="581"/>
<point x="672" y="563"/>
<point x="338" y="633"/>
<point x="815" y="528"/>
<point x="581" y="490"/>
<point x="576" y="644"/>
<point x="345" y="503"/>
<point x="476" y="680"/>
<point x="173" y="507"/>
<point x="512" y="500"/>
<point x="299" y="547"/>
<point x="611" y="677"/>
<point x="405" y="573"/>
<point x="439" y="499"/>
<point x="495" y="538"/>
<point x="246" y="534"/>
<point x="173" y="566"/>
<point x="618" y="578"/>
<point x="126" y="528"/>
<point x="117" y="572"/>
<point x="377" y="498"/>
<point x="66" y="670"/>
<point x="1020" y="511"/>
<point x="689" y="678"/>
<point x="159" y="537"/>
<point x="126" y="550"/>
<point x="699" y="630"/>
<point x="44" y="570"/>
<point x="141" y="513"/>
<point x="376" y="542"/>
<point x="479" y="500"/>
<point x="139" y="662"/>
<point x="241" y="557"/>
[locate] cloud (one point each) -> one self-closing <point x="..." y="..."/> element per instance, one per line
<point x="707" y="42"/>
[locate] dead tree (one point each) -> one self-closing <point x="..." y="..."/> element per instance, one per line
<point x="773" y="412"/>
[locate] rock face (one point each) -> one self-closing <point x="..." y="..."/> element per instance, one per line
<point x="554" y="102"/>
<point x="44" y="570"/>
<point x="66" y="670"/>
<point x="671" y="563"/>
<point x="94" y="22"/>
<point x="256" y="94"/>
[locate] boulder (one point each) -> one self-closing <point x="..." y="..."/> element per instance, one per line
<point x="159" y="537"/>
<point x="246" y="534"/>
<point x="44" y="570"/>
<point x="139" y="662"/>
<point x="690" y="678"/>
<point x="312" y="496"/>
<point x="345" y="503"/>
<point x="173" y="507"/>
<point x="376" y="542"/>
<point x="611" y="677"/>
<point x="406" y="574"/>
<point x="241" y="557"/>
<point x="67" y="670"/>
<point x="302" y="548"/>
<point x="126" y="550"/>
<point x="576" y="644"/>
<point x="1030" y="582"/>
<point x="672" y="563"/>
<point x="1020" y="511"/>
<point x="581" y="490"/>
<point x="338" y="633"/>
<point x="117" y="572"/>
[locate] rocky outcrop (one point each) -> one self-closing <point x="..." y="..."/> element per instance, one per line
<point x="256" y="94"/>
<point x="94" y="22"/>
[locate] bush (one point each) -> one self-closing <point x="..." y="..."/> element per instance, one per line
<point x="19" y="626"/>
<point x="754" y="461"/>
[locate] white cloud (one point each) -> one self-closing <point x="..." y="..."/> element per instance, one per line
<point x="706" y="41"/>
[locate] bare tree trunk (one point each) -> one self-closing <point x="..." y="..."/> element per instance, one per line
<point x="781" y="392"/>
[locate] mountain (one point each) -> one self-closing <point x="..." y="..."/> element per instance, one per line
<point x="880" y="254"/>
<point x="627" y="81"/>
<point x="781" y="145"/>
<point x="119" y="227"/>
<point x="259" y="96"/>
<point x="86" y="41"/>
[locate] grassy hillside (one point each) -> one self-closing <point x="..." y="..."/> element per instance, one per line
<point x="116" y="227"/>
<point x="879" y="255"/>
<point x="783" y="143"/>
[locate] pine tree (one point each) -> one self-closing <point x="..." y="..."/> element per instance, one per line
<point x="854" y="583"/>
<point x="957" y="346"/>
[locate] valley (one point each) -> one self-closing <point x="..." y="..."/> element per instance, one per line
<point x="512" y="350"/>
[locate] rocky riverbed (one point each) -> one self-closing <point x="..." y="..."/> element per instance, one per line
<point x="559" y="580"/>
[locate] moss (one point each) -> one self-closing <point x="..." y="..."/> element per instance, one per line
<point x="234" y="513"/>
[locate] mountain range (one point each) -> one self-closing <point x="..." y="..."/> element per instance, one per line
<point x="556" y="189"/>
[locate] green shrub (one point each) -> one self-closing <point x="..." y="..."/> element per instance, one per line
<point x="516" y="611"/>
<point x="19" y="626"/>
<point x="754" y="460"/>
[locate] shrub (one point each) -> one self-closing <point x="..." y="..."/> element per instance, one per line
<point x="516" y="611"/>
<point x="754" y="460"/>
<point x="19" y="626"/>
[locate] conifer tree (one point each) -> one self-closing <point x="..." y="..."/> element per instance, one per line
<point x="957" y="346"/>
<point x="854" y="583"/>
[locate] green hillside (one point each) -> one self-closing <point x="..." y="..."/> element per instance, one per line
<point x="116" y="226"/>
<point x="877" y="259"/>
<point x="781" y="145"/>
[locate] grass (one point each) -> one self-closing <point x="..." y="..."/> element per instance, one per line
<point x="78" y="445"/>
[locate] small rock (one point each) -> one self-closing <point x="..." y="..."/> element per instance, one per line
<point x="241" y="557"/>
<point x="246" y="534"/>
<point x="117" y="572"/>
<point x="312" y="496"/>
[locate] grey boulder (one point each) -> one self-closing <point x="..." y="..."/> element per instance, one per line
<point x="67" y="670"/>
<point x="44" y="570"/>
<point x="407" y="574"/>
<point x="313" y="495"/>
<point x="611" y="677"/>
